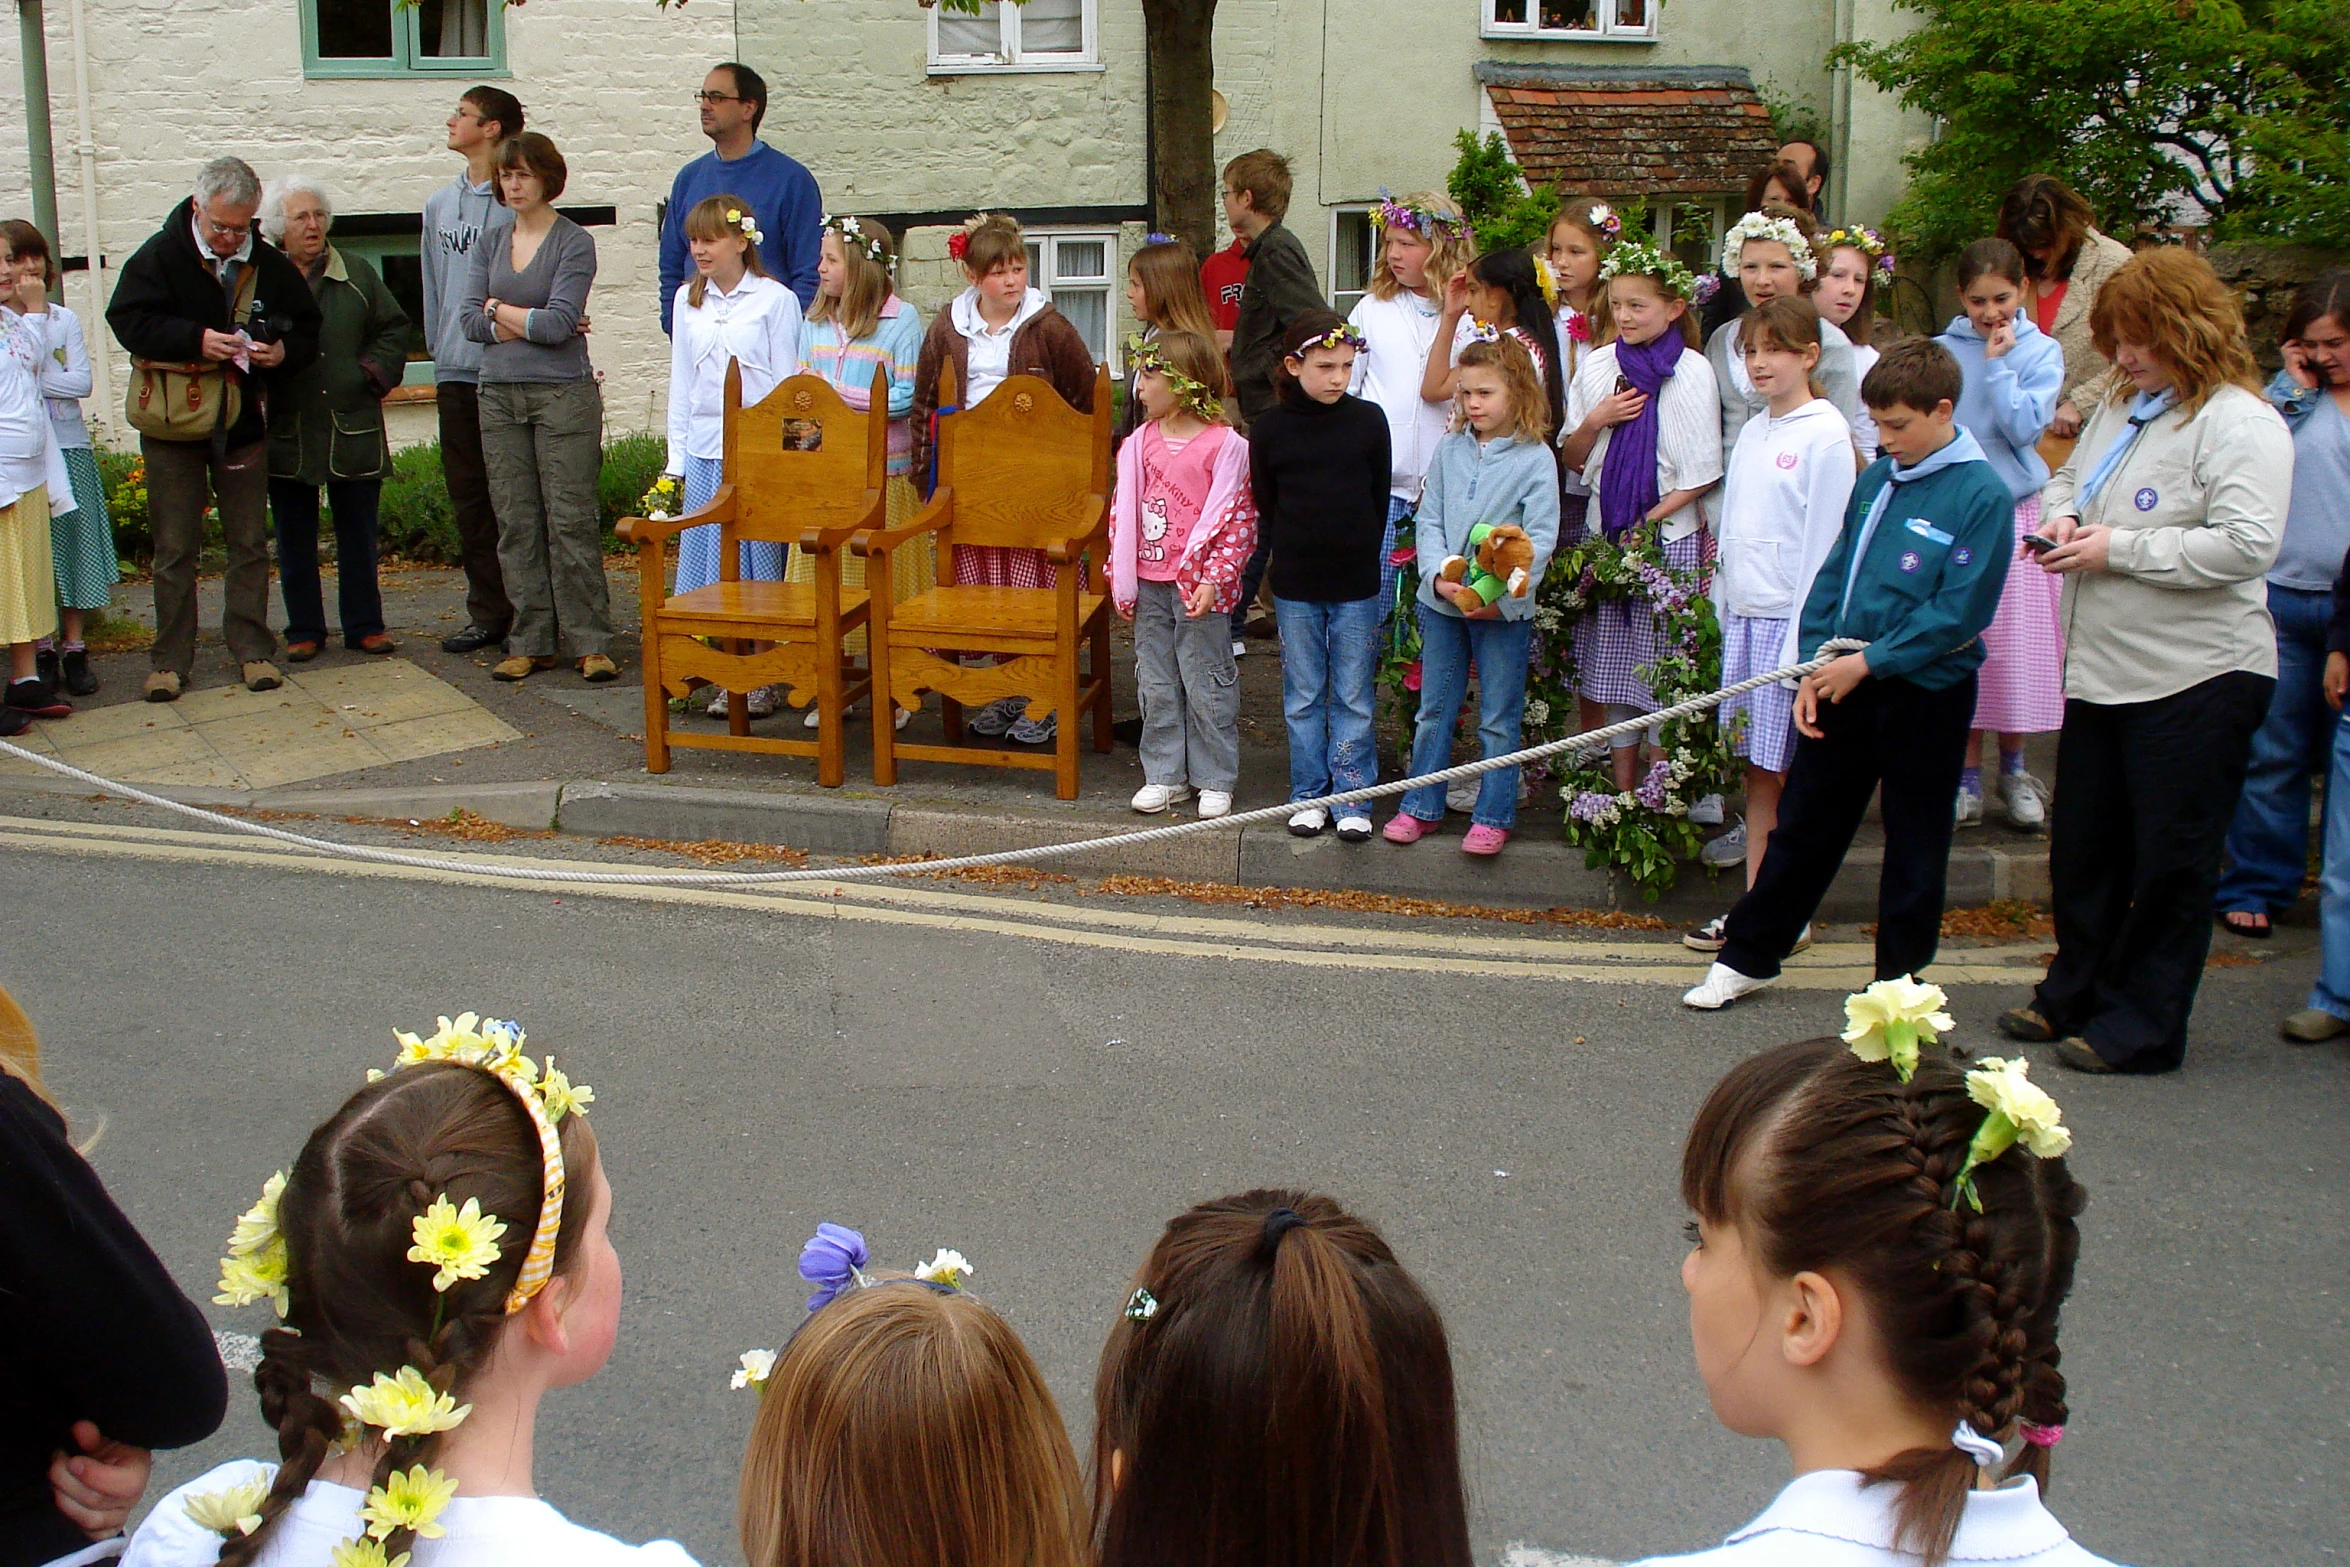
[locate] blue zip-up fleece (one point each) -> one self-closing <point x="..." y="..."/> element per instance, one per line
<point x="2007" y="402"/>
<point x="1507" y="479"/>
<point x="1918" y="568"/>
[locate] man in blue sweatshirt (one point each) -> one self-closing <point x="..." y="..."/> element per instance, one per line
<point x="781" y="192"/>
<point x="1916" y="576"/>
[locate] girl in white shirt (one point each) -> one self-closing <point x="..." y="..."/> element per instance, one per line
<point x="1580" y="238"/>
<point x="32" y="471"/>
<point x="1847" y="297"/>
<point x="1423" y="242"/>
<point x="1783" y="503"/>
<point x="1883" y="1243"/>
<point x="729" y="309"/>
<point x="440" y="1262"/>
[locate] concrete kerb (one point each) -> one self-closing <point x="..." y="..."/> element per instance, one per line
<point x="1534" y="873"/>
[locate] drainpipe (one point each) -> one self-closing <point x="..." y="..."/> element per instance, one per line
<point x="35" y="46"/>
<point x="101" y="381"/>
<point x="1839" y="117"/>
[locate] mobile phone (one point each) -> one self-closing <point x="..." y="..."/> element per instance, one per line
<point x="1623" y="384"/>
<point x="2038" y="544"/>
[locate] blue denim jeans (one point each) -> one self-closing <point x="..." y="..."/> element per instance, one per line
<point x="1447" y="644"/>
<point x="2268" y="841"/>
<point x="1329" y="663"/>
<point x="2331" y="993"/>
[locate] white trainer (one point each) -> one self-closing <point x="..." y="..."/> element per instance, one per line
<point x="1239" y="648"/>
<point x="1460" y="796"/>
<point x="1706" y="810"/>
<point x="1968" y="812"/>
<point x="998" y="716"/>
<point x="1712" y="936"/>
<point x="1215" y="802"/>
<point x="1151" y="799"/>
<point x="1309" y="822"/>
<point x="766" y="701"/>
<point x="1354" y="829"/>
<point x="1721" y="986"/>
<point x="2027" y="802"/>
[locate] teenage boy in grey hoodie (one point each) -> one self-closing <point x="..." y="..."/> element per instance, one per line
<point x="454" y="219"/>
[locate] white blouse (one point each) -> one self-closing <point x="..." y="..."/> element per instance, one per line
<point x="1688" y="431"/>
<point x="29" y="454"/>
<point x="65" y="377"/>
<point x="757" y="324"/>
<point x="1397" y="334"/>
<point x="1829" y="1519"/>
<point x="482" y="1531"/>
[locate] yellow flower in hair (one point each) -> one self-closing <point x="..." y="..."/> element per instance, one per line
<point x="1890" y="1019"/>
<point x="404" y="1404"/>
<point x="409" y="1501"/>
<point x="460" y="1242"/>
<point x="756" y="1365"/>
<point x="734" y="214"/>
<point x="2030" y="1115"/>
<point x="259" y="1275"/>
<point x="461" y="1034"/>
<point x="235" y="1510"/>
<point x="257" y="1228"/>
<point x="364" y="1552"/>
<point x="562" y="1096"/>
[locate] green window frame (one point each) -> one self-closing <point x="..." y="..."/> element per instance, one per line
<point x="400" y="45"/>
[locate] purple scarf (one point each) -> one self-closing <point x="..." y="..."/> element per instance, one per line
<point x="1627" y="480"/>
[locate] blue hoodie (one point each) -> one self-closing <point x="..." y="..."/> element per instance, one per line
<point x="2007" y="402"/>
<point x="1916" y="573"/>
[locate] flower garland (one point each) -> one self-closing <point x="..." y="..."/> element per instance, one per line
<point x="1867" y="241"/>
<point x="1194" y="395"/>
<point x="458" y="1244"/>
<point x="1783" y="231"/>
<point x="1638" y="258"/>
<point x="834" y="1260"/>
<point x="1344" y="335"/>
<point x="1429" y="225"/>
<point x="852" y="235"/>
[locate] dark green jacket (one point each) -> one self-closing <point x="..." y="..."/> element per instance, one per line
<point x="328" y="423"/>
<point x="1280" y="288"/>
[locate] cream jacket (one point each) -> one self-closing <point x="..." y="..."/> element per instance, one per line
<point x="2083" y="365"/>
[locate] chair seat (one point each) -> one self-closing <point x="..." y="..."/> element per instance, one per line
<point x="1026" y="613"/>
<point x="777" y="603"/>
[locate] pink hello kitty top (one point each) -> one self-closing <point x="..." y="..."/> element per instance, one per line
<point x="1176" y="478"/>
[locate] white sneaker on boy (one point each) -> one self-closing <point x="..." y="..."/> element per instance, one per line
<point x="1721" y="986"/>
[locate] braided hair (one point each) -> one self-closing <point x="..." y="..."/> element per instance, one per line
<point x="356" y="1304"/>
<point x="1822" y="1160"/>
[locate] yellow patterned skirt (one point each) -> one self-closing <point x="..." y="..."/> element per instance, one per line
<point x="28" y="574"/>
<point x="912" y="570"/>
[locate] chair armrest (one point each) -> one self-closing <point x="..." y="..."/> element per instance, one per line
<point x="648" y="530"/>
<point x="819" y="540"/>
<point x="931" y="518"/>
<point x="1062" y="552"/>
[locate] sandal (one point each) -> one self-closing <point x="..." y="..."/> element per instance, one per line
<point x="2246" y="929"/>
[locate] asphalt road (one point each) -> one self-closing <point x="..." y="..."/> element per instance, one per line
<point x="1044" y="1097"/>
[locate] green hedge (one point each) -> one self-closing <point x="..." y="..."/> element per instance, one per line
<point x="414" y="520"/>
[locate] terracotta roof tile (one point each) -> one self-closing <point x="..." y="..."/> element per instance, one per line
<point x="1600" y="131"/>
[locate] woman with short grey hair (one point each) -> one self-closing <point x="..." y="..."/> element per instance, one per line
<point x="327" y="427"/>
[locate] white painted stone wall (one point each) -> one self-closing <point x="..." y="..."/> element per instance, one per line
<point x="174" y="82"/>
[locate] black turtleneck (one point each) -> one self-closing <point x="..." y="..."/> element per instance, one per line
<point x="1320" y="472"/>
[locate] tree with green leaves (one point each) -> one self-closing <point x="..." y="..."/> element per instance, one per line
<point x="2240" y="106"/>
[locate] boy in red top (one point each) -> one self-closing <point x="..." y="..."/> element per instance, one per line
<point x="1221" y="277"/>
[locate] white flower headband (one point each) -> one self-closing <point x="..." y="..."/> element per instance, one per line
<point x="1785" y="231"/>
<point x="852" y="233"/>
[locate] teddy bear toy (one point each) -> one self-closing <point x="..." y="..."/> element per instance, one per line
<point x="1500" y="561"/>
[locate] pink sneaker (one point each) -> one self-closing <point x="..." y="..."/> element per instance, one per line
<point x="1484" y="840"/>
<point x="1403" y="827"/>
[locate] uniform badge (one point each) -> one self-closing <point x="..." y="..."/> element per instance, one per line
<point x="1962" y="555"/>
<point x="1910" y="560"/>
<point x="2145" y="499"/>
<point x="1787" y="459"/>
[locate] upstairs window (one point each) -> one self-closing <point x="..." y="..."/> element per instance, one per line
<point x="1582" y="21"/>
<point x="385" y="38"/>
<point x="1043" y="35"/>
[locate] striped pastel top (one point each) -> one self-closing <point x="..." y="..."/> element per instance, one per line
<point x="895" y="342"/>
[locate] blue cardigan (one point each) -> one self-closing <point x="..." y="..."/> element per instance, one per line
<point x="1509" y="479"/>
<point x="782" y="195"/>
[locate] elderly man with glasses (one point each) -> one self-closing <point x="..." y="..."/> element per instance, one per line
<point x="207" y="298"/>
<point x="778" y="190"/>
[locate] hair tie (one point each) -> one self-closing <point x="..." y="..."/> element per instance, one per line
<point x="1976" y="1445"/>
<point x="1279" y="1223"/>
<point x="2039" y="1436"/>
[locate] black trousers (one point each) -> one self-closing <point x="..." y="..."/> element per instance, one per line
<point x="2145" y="794"/>
<point x="359" y="603"/>
<point x="1912" y="742"/>
<point x="486" y="604"/>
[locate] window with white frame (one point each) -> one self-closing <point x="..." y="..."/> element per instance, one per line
<point x="1581" y="20"/>
<point x="1042" y="35"/>
<point x="1354" y="247"/>
<point x="1076" y="267"/>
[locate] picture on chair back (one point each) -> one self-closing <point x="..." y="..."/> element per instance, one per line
<point x="803" y="435"/>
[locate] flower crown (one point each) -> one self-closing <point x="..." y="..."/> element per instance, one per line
<point x="457" y="1243"/>
<point x="1638" y="258"/>
<point x="1786" y="231"/>
<point x="1429" y="225"/>
<point x="1154" y="237"/>
<point x="1867" y="241"/>
<point x="1344" y="335"/>
<point x="748" y="224"/>
<point x="834" y="1261"/>
<point x="1480" y="332"/>
<point x="1891" y="1019"/>
<point x="1190" y="394"/>
<point x="852" y="236"/>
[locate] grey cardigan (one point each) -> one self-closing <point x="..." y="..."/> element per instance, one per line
<point x="553" y="288"/>
<point x="1838" y="373"/>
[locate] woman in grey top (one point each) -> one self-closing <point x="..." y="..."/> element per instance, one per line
<point x="542" y="415"/>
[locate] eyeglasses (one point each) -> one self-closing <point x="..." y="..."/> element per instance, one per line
<point x="464" y="113"/>
<point x="706" y="96"/>
<point x="226" y="230"/>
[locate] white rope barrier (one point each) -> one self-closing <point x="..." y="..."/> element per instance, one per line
<point x="353" y="851"/>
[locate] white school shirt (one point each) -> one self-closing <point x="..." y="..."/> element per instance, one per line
<point x="1688" y="430"/>
<point x="1864" y="429"/>
<point x="988" y="349"/>
<point x="29" y="454"/>
<point x="1397" y="335"/>
<point x="483" y="1531"/>
<point x="1573" y="353"/>
<point x="65" y="378"/>
<point x="1829" y="1519"/>
<point x="758" y="324"/>
<point x="1782" y="510"/>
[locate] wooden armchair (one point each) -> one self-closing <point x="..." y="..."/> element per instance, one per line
<point x="801" y="467"/>
<point x="1023" y="470"/>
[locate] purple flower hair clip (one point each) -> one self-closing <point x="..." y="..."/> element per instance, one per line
<point x="1707" y="286"/>
<point x="1154" y="237"/>
<point x="833" y="1260"/>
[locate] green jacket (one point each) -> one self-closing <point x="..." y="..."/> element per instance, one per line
<point x="328" y="423"/>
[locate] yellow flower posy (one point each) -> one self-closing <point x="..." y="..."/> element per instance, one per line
<point x="261" y="1276"/>
<point x="257" y="1227"/>
<point x="364" y="1552"/>
<point x="2020" y="1111"/>
<point x="404" y="1404"/>
<point x="234" y="1511"/>
<point x="409" y="1501"/>
<point x="1892" y="1018"/>
<point x="562" y="1096"/>
<point x="460" y="1243"/>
